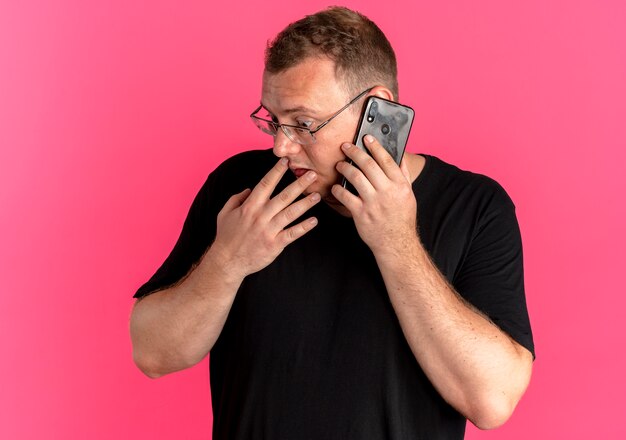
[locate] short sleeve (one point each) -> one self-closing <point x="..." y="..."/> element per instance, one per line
<point x="492" y="275"/>
<point x="197" y="234"/>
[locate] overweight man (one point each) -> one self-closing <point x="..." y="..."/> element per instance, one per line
<point x="397" y="312"/>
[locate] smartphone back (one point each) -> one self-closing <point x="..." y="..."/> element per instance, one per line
<point x="389" y="122"/>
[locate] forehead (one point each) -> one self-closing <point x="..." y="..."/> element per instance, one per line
<point x="311" y="84"/>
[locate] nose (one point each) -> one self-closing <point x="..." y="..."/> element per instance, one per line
<point x="284" y="147"/>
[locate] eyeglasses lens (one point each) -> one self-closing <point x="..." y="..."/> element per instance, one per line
<point x="295" y="134"/>
<point x="266" y="127"/>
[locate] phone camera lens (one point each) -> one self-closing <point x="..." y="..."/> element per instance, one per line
<point x="385" y="129"/>
<point x="373" y="110"/>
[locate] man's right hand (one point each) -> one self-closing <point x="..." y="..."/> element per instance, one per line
<point x="251" y="226"/>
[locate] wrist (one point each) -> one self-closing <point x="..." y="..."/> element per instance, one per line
<point x="216" y="260"/>
<point x="404" y="246"/>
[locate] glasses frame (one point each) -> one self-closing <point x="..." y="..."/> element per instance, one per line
<point x="285" y="127"/>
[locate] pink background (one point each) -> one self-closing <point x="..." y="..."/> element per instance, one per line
<point x="112" y="114"/>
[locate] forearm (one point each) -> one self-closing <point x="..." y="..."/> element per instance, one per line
<point x="475" y="366"/>
<point x="175" y="328"/>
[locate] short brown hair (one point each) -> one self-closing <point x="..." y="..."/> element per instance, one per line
<point x="362" y="54"/>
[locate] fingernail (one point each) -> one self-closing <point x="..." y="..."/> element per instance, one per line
<point x="346" y="146"/>
<point x="284" y="161"/>
<point x="313" y="221"/>
<point x="310" y="175"/>
<point x="369" y="138"/>
<point x="315" y="197"/>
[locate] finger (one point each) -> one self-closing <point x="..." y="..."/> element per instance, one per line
<point x="289" y="194"/>
<point x="346" y="198"/>
<point x="290" y="235"/>
<point x="404" y="167"/>
<point x="295" y="210"/>
<point x="356" y="177"/>
<point x="263" y="190"/>
<point x="366" y="163"/>
<point x="386" y="162"/>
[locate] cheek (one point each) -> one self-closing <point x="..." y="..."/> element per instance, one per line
<point x="326" y="163"/>
<point x="327" y="174"/>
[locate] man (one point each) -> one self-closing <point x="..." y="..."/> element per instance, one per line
<point x="334" y="315"/>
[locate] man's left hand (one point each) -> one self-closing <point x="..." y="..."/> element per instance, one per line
<point x="385" y="210"/>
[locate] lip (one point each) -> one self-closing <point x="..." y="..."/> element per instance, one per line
<point x="299" y="171"/>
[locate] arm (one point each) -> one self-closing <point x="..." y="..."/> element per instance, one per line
<point x="475" y="366"/>
<point x="175" y="328"/>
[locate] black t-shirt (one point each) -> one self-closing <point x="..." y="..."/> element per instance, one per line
<point x="312" y="348"/>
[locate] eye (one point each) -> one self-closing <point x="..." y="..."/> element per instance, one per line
<point x="305" y="124"/>
<point x="265" y="114"/>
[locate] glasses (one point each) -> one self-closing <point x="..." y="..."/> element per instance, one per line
<point x="295" y="133"/>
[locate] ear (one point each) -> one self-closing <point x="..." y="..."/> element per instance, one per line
<point x="382" y="92"/>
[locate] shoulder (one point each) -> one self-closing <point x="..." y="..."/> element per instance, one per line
<point x="233" y="175"/>
<point x="247" y="161"/>
<point x="463" y="185"/>
<point x="242" y="168"/>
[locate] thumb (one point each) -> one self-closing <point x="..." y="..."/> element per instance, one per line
<point x="236" y="200"/>
<point x="404" y="167"/>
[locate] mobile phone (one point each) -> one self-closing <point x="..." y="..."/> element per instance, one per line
<point x="389" y="122"/>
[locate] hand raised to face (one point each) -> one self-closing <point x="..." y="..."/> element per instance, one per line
<point x="251" y="226"/>
<point x="385" y="209"/>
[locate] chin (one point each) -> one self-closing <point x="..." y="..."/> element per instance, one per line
<point x="319" y="187"/>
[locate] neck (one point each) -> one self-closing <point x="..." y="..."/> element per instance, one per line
<point x="332" y="202"/>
